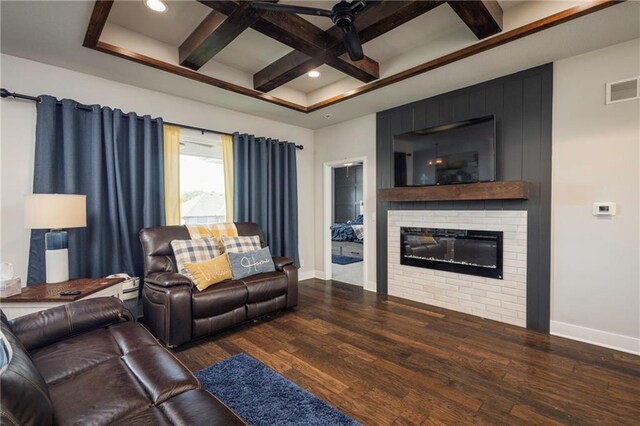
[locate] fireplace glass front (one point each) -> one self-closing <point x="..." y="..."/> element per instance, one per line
<point x="462" y="251"/>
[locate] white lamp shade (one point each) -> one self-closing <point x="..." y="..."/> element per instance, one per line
<point x="55" y="211"/>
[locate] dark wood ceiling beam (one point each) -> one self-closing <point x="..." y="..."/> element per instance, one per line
<point x="291" y="30"/>
<point x="213" y="34"/>
<point x="287" y="28"/>
<point x="285" y="69"/>
<point x="99" y="16"/>
<point x="483" y="17"/>
<point x="306" y="38"/>
<point x="296" y="64"/>
<point x="365" y="70"/>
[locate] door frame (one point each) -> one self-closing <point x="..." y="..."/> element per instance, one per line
<point x="327" y="207"/>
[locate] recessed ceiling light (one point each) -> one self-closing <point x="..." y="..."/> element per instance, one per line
<point x="314" y="74"/>
<point x="156" y="5"/>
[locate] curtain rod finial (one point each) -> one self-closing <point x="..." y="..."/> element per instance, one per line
<point x="4" y="93"/>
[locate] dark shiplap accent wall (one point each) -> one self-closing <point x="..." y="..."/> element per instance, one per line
<point x="522" y="104"/>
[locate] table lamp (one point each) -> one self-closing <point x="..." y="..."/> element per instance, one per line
<point x="55" y="212"/>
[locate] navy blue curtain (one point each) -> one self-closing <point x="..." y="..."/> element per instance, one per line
<point x="265" y="187"/>
<point x="116" y="160"/>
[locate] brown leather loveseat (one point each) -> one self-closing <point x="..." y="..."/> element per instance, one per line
<point x="177" y="312"/>
<point x="88" y="363"/>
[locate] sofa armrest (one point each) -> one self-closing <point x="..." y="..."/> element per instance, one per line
<point x="167" y="311"/>
<point x="167" y="279"/>
<point x="45" y="327"/>
<point x="280" y="262"/>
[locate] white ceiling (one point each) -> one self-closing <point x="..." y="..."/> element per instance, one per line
<point x="52" y="32"/>
<point x="251" y="52"/>
<point x="421" y="30"/>
<point x="307" y="84"/>
<point x="171" y="27"/>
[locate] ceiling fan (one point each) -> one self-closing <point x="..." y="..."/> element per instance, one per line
<point x="342" y="14"/>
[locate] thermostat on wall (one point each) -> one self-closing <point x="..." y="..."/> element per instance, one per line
<point x="604" y="209"/>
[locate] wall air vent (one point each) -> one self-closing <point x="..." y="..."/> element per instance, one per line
<point x="624" y="90"/>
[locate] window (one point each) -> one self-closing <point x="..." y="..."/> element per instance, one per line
<point x="202" y="198"/>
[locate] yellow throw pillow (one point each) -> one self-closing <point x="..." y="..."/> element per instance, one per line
<point x="210" y="271"/>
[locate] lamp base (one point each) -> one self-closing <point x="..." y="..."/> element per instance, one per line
<point x="56" y="256"/>
<point x="57" y="265"/>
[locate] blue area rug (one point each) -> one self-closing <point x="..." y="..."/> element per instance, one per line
<point x="263" y="397"/>
<point x="344" y="260"/>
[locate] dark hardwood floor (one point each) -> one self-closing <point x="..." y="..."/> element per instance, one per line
<point x="384" y="360"/>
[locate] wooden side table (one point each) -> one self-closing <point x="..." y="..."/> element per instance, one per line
<point x="38" y="297"/>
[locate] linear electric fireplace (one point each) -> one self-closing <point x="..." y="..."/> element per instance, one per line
<point x="462" y="251"/>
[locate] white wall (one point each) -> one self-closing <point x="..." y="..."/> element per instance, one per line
<point x="596" y="260"/>
<point x="350" y="139"/>
<point x="18" y="137"/>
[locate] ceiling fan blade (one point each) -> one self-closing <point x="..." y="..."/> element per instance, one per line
<point x="289" y="8"/>
<point x="352" y="43"/>
<point x="357" y="6"/>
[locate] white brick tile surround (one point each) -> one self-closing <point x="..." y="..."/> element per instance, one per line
<point x="502" y="300"/>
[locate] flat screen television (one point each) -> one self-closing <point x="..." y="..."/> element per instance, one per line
<point x="462" y="152"/>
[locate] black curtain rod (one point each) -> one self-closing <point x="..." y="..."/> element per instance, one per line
<point x="4" y="93"/>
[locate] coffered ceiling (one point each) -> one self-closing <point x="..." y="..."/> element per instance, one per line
<point x="267" y="54"/>
<point x="433" y="52"/>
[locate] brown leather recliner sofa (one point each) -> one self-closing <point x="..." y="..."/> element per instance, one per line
<point x="177" y="312"/>
<point x="88" y="363"/>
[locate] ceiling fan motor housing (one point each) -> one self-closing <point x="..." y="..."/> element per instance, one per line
<point x="342" y="15"/>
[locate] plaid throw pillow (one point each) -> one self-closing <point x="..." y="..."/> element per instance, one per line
<point x="192" y="251"/>
<point x="241" y="244"/>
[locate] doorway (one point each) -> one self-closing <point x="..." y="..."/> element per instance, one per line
<point x="344" y="221"/>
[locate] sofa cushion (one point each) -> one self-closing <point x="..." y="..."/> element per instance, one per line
<point x="73" y="355"/>
<point x="265" y="286"/>
<point x="149" y="416"/>
<point x="123" y="366"/>
<point x="173" y="379"/>
<point x="130" y="336"/>
<point x="201" y="327"/>
<point x="98" y="395"/>
<point x="217" y="299"/>
<point x="198" y="407"/>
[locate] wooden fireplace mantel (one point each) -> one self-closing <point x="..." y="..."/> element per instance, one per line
<point x="506" y="190"/>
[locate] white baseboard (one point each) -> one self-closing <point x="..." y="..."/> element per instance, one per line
<point x="307" y="275"/>
<point x="596" y="337"/>
<point x="371" y="286"/>
<point x="320" y="275"/>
